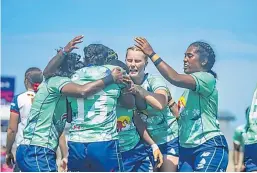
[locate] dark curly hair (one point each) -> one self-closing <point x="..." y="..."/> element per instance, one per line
<point x="69" y="65"/>
<point x="119" y="63"/>
<point x="98" y="54"/>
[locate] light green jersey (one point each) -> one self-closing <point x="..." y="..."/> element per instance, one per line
<point x="94" y="118"/>
<point x="128" y="135"/>
<point x="198" y="111"/>
<point x="239" y="133"/>
<point x="251" y="126"/>
<point x="161" y="125"/>
<point x="47" y="116"/>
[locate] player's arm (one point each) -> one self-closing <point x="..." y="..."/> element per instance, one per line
<point x="237" y="142"/>
<point x="173" y="106"/>
<point x="236" y="155"/>
<point x="64" y="152"/>
<point x="142" y="130"/>
<point x="12" y="130"/>
<point x="157" y="99"/>
<point x="140" y="103"/>
<point x="57" y="60"/>
<point x="179" y="80"/>
<point x="11" y="134"/>
<point x="63" y="146"/>
<point x="126" y="99"/>
<point x="75" y="90"/>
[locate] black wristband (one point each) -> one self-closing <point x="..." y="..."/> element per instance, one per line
<point x="150" y="56"/>
<point x="108" y="80"/>
<point x="158" y="61"/>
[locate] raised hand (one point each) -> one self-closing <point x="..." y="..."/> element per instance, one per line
<point x="72" y="44"/>
<point x="143" y="44"/>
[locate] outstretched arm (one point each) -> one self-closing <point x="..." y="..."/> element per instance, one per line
<point x="127" y="99"/>
<point x="179" y="80"/>
<point x="57" y="60"/>
<point x="75" y="90"/>
<point x="157" y="99"/>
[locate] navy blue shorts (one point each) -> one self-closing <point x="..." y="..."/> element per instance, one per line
<point x="211" y="156"/>
<point x="136" y="159"/>
<point x="31" y="158"/>
<point x="168" y="148"/>
<point x="94" y="157"/>
<point x="250" y="157"/>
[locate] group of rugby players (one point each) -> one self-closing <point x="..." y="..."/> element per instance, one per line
<point x="121" y="118"/>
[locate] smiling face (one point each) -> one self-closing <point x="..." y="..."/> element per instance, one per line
<point x="192" y="62"/>
<point x="136" y="62"/>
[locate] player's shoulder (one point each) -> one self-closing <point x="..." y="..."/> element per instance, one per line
<point x="24" y="94"/>
<point x="22" y="98"/>
<point x="154" y="78"/>
<point x="204" y="76"/>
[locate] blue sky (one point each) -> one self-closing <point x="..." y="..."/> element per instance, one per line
<point x="32" y="30"/>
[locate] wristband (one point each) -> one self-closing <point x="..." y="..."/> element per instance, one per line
<point x="108" y="80"/>
<point x="154" y="147"/>
<point x="171" y="104"/>
<point x="150" y="56"/>
<point x="155" y="57"/>
<point x="157" y="62"/>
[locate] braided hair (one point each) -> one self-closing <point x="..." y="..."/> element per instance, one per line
<point x="205" y="51"/>
<point x="98" y="54"/>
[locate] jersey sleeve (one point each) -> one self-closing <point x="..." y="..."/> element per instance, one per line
<point x="56" y="83"/>
<point x="157" y="83"/>
<point x="205" y="83"/>
<point x="14" y="105"/>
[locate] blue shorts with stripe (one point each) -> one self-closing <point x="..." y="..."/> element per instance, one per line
<point x="31" y="158"/>
<point x="101" y="156"/>
<point x="137" y="159"/>
<point x="211" y="156"/>
<point x="250" y="157"/>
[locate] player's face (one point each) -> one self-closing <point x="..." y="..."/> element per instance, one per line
<point x="191" y="61"/>
<point x="136" y="63"/>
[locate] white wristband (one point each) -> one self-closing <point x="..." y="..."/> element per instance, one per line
<point x="154" y="147"/>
